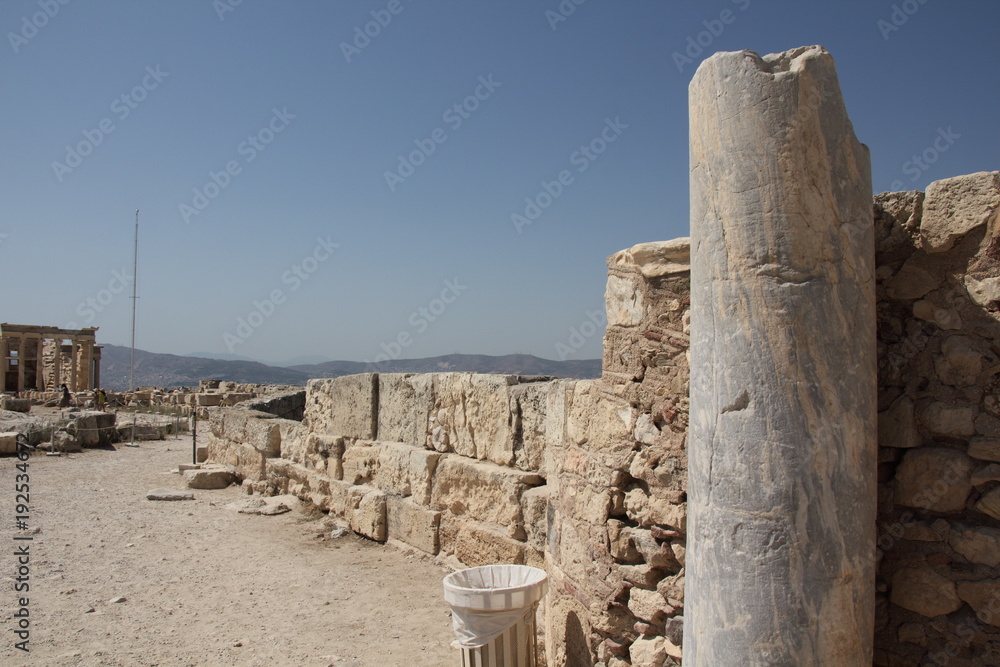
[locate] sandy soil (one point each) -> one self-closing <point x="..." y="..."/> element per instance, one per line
<point x="203" y="585"/>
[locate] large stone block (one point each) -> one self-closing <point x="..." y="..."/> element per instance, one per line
<point x="601" y="420"/>
<point x="412" y="524"/>
<point x="366" y="509"/>
<point x="922" y="590"/>
<point x="405" y="402"/>
<point x="421" y="467"/>
<point x="934" y="478"/>
<point x="292" y="434"/>
<point x="392" y="471"/>
<point x="990" y="503"/>
<point x="986" y="449"/>
<point x="264" y="435"/>
<point x="8" y="442"/>
<point x="472" y="416"/>
<point x="209" y="400"/>
<point x="482" y="491"/>
<point x="984" y="598"/>
<point x="955" y="206"/>
<point x="345" y="406"/>
<point x="208" y="479"/>
<point x="655" y="259"/>
<point x="978" y="544"/>
<point x="92" y="428"/>
<point x="231" y="423"/>
<point x="948" y="419"/>
<point x="534" y="509"/>
<point x="623" y="300"/>
<point x="249" y="462"/>
<point x="528" y="404"/>
<point x="477" y="545"/>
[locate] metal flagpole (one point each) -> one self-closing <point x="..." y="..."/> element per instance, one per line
<point x="135" y="282"/>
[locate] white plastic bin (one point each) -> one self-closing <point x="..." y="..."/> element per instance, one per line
<point x="493" y="613"/>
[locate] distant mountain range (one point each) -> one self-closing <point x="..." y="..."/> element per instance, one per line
<point x="171" y="370"/>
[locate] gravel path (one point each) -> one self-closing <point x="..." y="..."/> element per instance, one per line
<point x="202" y="584"/>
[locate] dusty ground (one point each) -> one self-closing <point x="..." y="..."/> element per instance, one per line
<point x="203" y="585"/>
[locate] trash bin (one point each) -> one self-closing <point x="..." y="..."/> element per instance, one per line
<point x="493" y="613"/>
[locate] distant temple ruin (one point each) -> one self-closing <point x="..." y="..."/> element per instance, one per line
<point x="43" y="358"/>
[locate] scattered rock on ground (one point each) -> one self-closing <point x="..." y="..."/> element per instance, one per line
<point x="169" y="494"/>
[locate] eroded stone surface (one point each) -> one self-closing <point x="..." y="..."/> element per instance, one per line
<point x="955" y="206"/>
<point x="783" y="264"/>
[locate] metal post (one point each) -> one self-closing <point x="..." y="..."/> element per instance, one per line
<point x="135" y="282"/>
<point x="194" y="439"/>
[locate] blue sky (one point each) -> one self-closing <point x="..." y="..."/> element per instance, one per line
<point x="308" y="189"/>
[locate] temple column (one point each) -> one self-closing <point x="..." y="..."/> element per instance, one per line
<point x="40" y="364"/>
<point x="74" y="364"/>
<point x="20" y="362"/>
<point x="782" y="449"/>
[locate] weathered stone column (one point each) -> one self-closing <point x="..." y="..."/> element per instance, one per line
<point x="40" y="364"/>
<point x="782" y="451"/>
<point x="21" y="349"/>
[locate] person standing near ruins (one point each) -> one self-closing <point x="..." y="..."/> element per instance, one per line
<point x="102" y="399"/>
<point x="64" y="401"/>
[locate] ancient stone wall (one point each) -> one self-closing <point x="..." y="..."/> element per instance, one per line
<point x="583" y="478"/>
<point x="615" y="554"/>
<point x="588" y="478"/>
<point x="448" y="463"/>
<point x="938" y="277"/>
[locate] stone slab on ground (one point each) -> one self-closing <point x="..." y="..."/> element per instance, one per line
<point x="169" y="494"/>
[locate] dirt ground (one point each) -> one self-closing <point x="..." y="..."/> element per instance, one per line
<point x="202" y="584"/>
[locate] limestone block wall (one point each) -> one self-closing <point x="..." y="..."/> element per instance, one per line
<point x="448" y="463"/>
<point x="938" y="278"/>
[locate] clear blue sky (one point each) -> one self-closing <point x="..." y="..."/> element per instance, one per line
<point x="110" y="106"/>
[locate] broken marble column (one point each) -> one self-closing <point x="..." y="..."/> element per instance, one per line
<point x="782" y="447"/>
